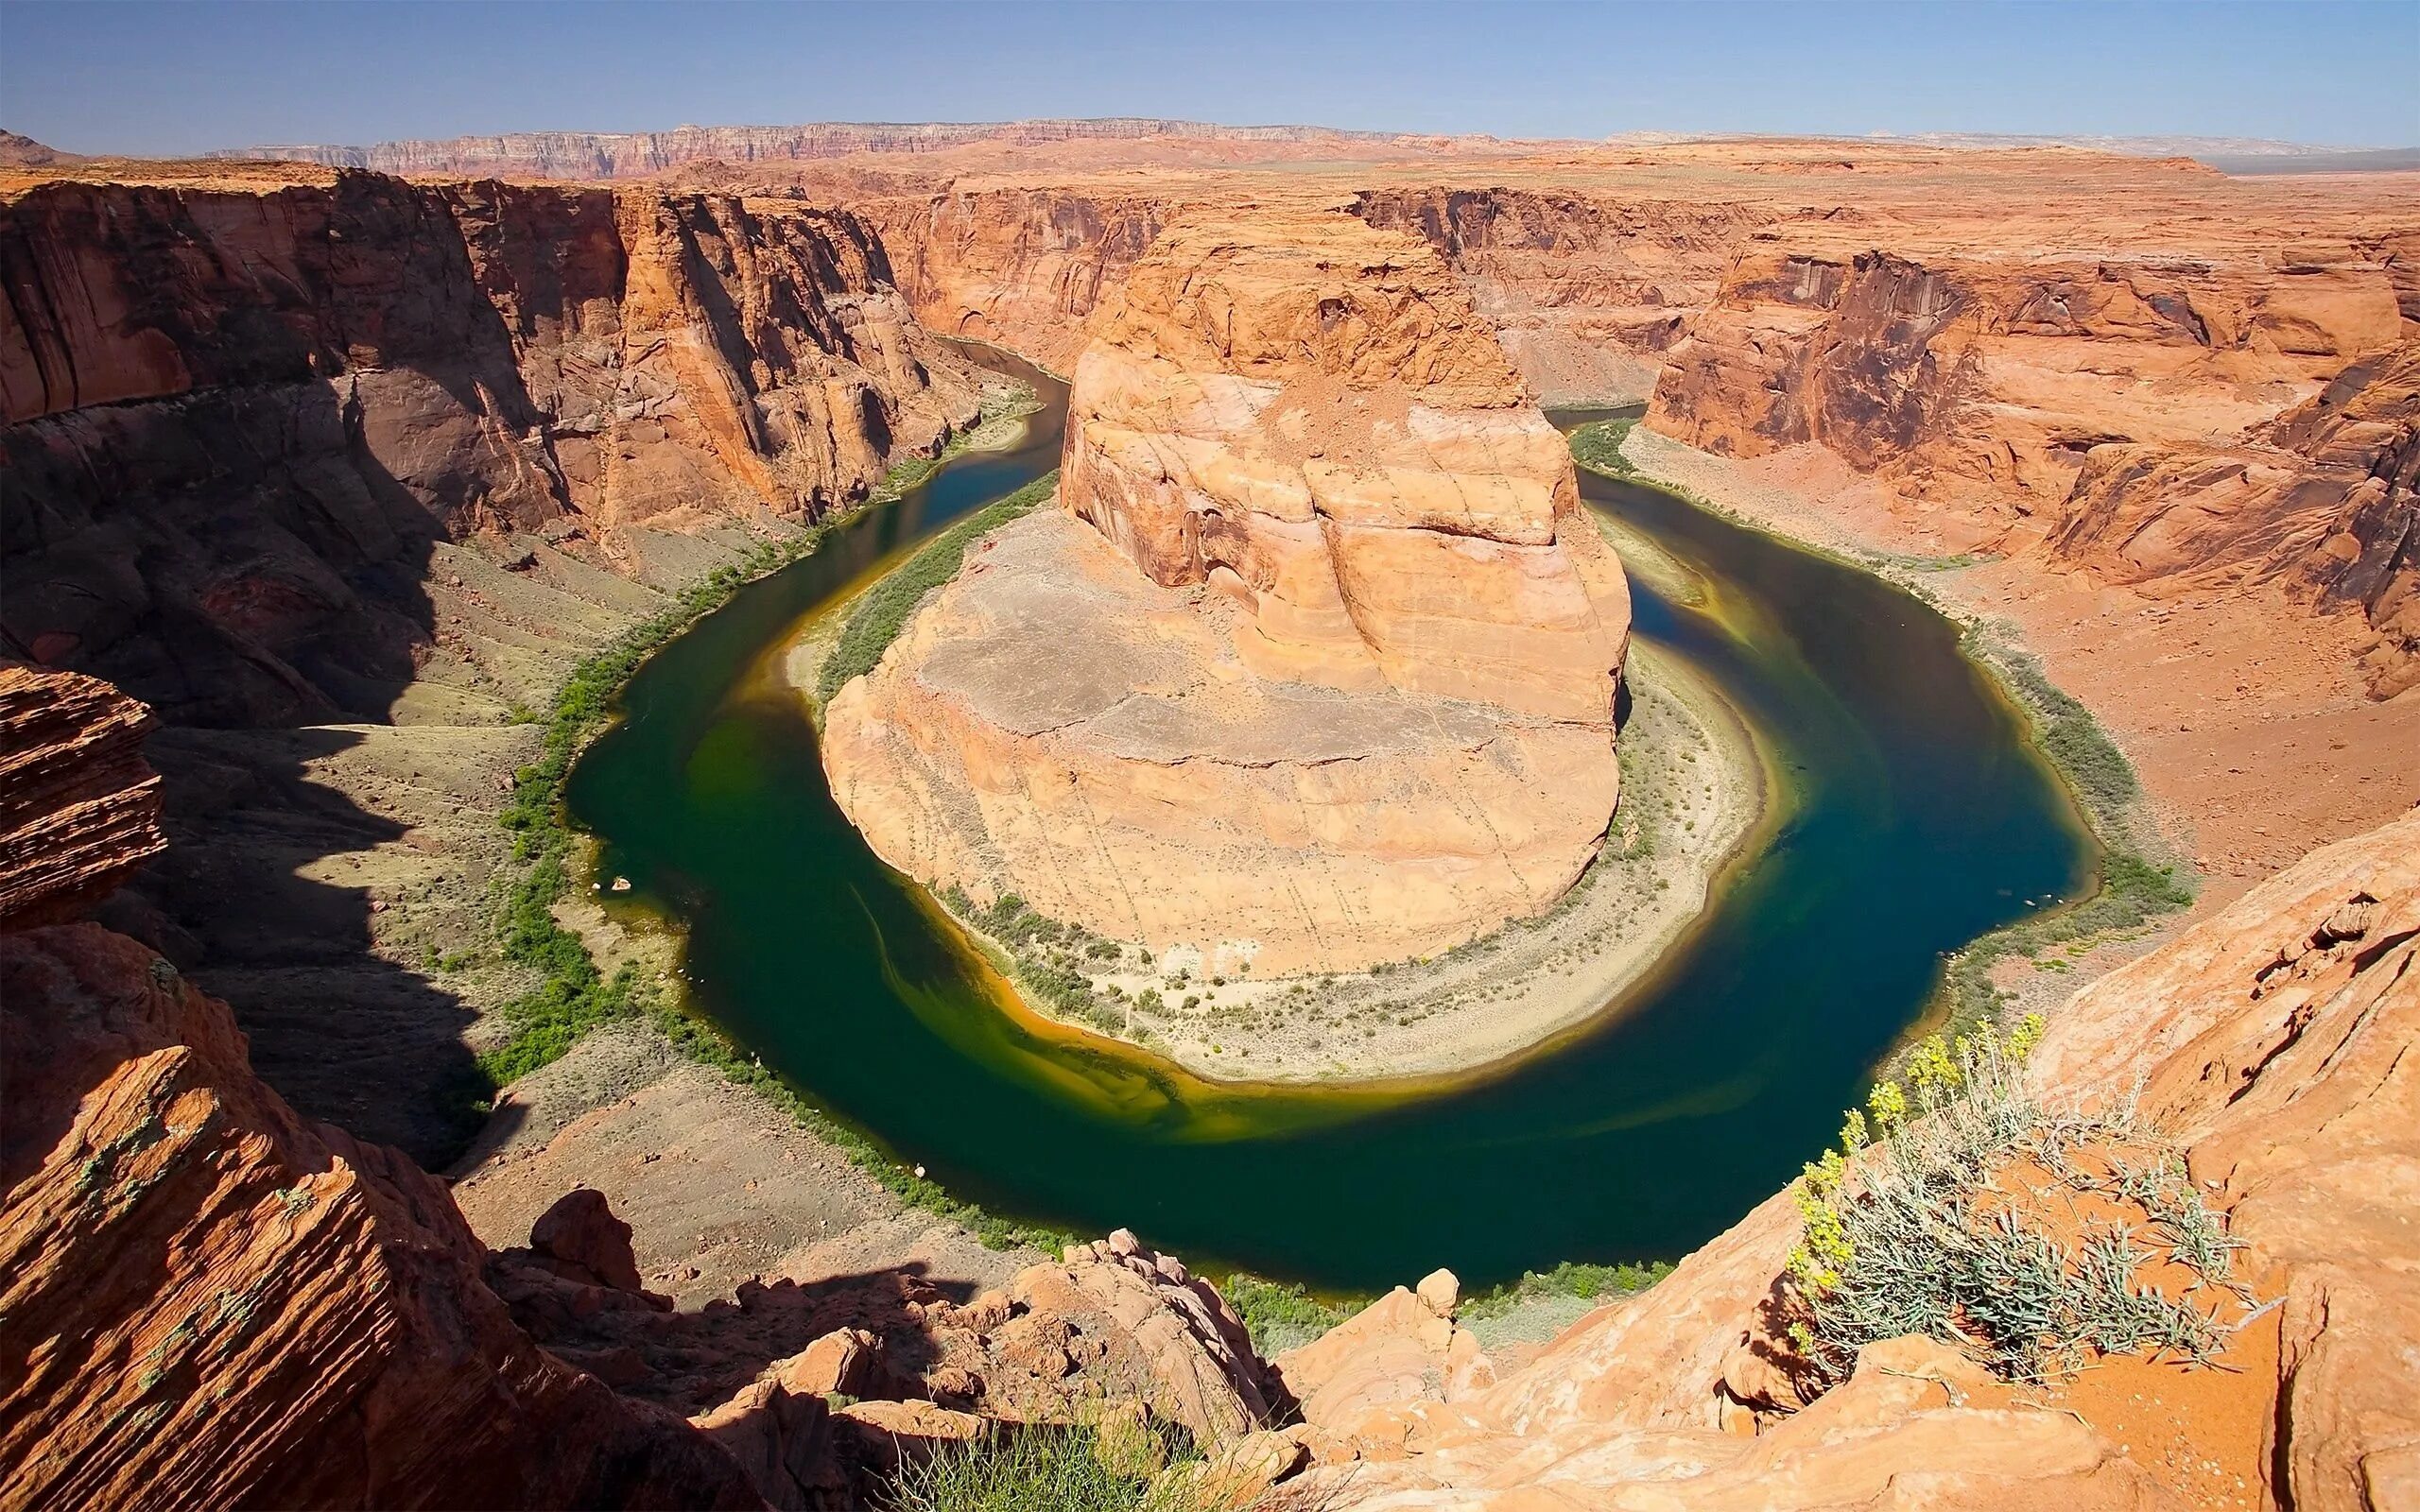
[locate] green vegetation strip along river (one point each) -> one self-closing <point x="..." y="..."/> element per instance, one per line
<point x="1916" y="817"/>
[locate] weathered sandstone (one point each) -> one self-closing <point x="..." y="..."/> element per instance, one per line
<point x="1325" y="675"/>
<point x="79" y="812"/>
<point x="212" y="1302"/>
<point x="2319" y="501"/>
<point x="239" y="420"/>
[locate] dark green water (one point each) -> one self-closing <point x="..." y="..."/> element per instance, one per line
<point x="1917" y="818"/>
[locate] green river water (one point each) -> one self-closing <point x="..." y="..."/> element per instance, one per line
<point x="1917" y="815"/>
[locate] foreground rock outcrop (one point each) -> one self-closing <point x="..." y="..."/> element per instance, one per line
<point x="79" y="810"/>
<point x="1317" y="669"/>
<point x="211" y="1302"/>
<point x="2272" y="1043"/>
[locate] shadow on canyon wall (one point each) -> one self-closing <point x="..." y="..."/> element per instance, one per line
<point x="241" y="562"/>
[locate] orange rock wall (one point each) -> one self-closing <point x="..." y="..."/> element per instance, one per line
<point x="207" y="1302"/>
<point x="1021" y="267"/>
<point x="237" y="418"/>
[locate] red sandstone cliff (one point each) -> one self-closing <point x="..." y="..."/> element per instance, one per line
<point x="240" y="416"/>
<point x="80" y="811"/>
<point x="206" y="1300"/>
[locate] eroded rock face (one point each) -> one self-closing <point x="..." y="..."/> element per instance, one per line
<point x="79" y="810"/>
<point x="2320" y="501"/>
<point x="1318" y="668"/>
<point x="1309" y="415"/>
<point x="237" y="420"/>
<point x="210" y="1302"/>
<point x="1023" y="268"/>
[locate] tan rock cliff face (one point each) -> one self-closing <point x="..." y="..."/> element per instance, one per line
<point x="1324" y="675"/>
<point x="1988" y="380"/>
<point x="2320" y="501"/>
<point x="1307" y="415"/>
<point x="1589" y="291"/>
<point x="238" y="419"/>
<point x="1021" y="267"/>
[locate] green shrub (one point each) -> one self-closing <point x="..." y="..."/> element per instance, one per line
<point x="1911" y="1236"/>
<point x="1043" y="1468"/>
<point x="1598" y="447"/>
<point x="1282" y="1316"/>
<point x="1570" y="1278"/>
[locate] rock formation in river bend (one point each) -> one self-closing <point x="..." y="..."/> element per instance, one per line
<point x="1317" y="670"/>
<point x="239" y="415"/>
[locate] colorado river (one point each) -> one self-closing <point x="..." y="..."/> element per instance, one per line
<point x="1916" y="815"/>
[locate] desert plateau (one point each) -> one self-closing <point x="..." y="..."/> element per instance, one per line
<point x="1593" y="806"/>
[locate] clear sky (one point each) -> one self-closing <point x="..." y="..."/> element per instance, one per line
<point x="89" y="76"/>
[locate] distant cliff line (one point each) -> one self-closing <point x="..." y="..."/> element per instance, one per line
<point x="621" y="154"/>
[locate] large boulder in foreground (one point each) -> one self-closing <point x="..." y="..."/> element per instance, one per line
<point x="1318" y="669"/>
<point x="206" y="1300"/>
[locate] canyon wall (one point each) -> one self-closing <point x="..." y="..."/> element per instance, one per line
<point x="1589" y="291"/>
<point x="1966" y="328"/>
<point x="1317" y="667"/>
<point x="1022" y="267"/>
<point x="238" y="419"/>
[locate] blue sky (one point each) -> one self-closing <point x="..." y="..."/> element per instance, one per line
<point x="95" y="77"/>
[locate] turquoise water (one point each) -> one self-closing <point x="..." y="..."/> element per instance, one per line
<point x="1917" y="816"/>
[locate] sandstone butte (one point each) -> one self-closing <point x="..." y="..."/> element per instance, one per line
<point x="211" y="1300"/>
<point x="1316" y="670"/>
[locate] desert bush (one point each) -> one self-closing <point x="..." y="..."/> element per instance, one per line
<point x="1598" y="447"/>
<point x="1911" y="1236"/>
<point x="1570" y="1278"/>
<point x="1041" y="1468"/>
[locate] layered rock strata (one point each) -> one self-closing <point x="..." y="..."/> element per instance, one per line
<point x="80" y="811"/>
<point x="240" y="419"/>
<point x="2320" y="501"/>
<point x="212" y="1302"/>
<point x="1317" y="667"/>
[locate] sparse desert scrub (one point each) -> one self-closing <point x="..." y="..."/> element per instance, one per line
<point x="1052" y="1468"/>
<point x="1958" y="1206"/>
